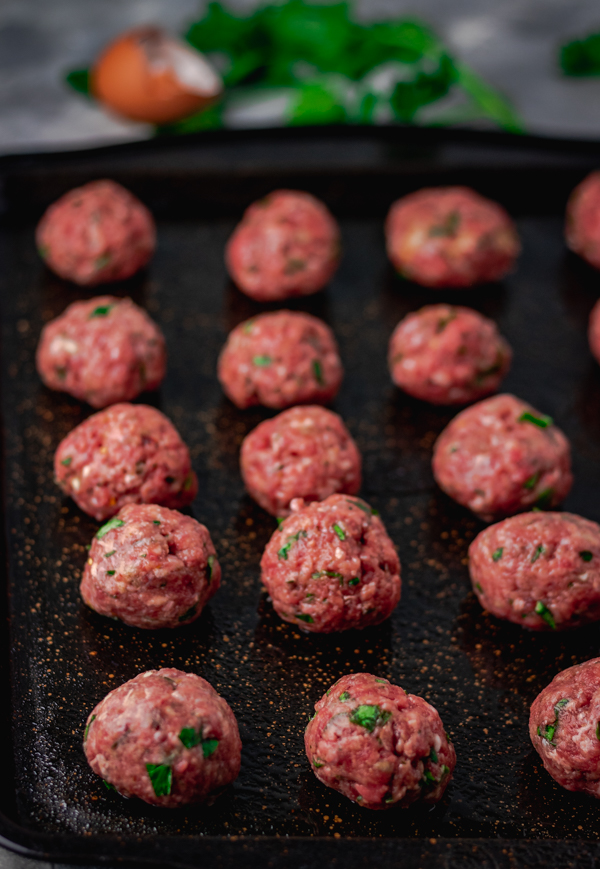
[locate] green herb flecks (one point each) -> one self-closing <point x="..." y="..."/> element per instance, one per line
<point x="541" y="421"/>
<point x="209" y="563"/>
<point x="247" y="327"/>
<point x="539" y="550"/>
<point x="345" y="695"/>
<point x="187" y="483"/>
<point x="188" y="613"/>
<point x="543" y="611"/>
<point x="339" y="531"/>
<point x="318" y="372"/>
<point x="191" y="738"/>
<point x="66" y="462"/>
<point x="544" y="499"/>
<point x="101" y="310"/>
<point x="115" y="522"/>
<point x="532" y="482"/>
<point x="156" y="522"/>
<point x="108" y="785"/>
<point x="581" y="57"/>
<point x="369" y="717"/>
<point x="447" y="228"/>
<point x="317" y="763"/>
<point x="79" y="80"/>
<point x="433" y="755"/>
<point x="429" y="779"/>
<point x="586" y="555"/>
<point x="110" y="572"/>
<point x="87" y="727"/>
<point x="262" y="361"/>
<point x="161" y="777"/>
<point x="443" y="321"/>
<point x="354" y="581"/>
<point x="108" y="554"/>
<point x="293" y="538"/>
<point x="370" y="511"/>
<point x="548" y="731"/>
<point x="330" y="573"/>
<point x="478" y="587"/>
<point x="304" y="617"/>
<point x="497" y="555"/>
<point x="598" y="730"/>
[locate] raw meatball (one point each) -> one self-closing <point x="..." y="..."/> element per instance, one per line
<point x="594" y="331"/>
<point x="450" y="237"/>
<point x="102" y="351"/>
<point x="539" y="570"/>
<point x="304" y="452"/>
<point x="96" y="233"/>
<point x="165" y="737"/>
<point x="501" y="456"/>
<point x="564" y="726"/>
<point x="448" y="355"/>
<point x="151" y="567"/>
<point x="288" y="244"/>
<point x="582" y="227"/>
<point x="377" y="745"/>
<point x="331" y="566"/>
<point x="126" y="454"/>
<point x="279" y="360"/>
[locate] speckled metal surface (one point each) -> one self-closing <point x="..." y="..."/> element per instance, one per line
<point x="479" y="673"/>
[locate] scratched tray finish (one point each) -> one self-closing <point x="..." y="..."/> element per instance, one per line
<point x="481" y="674"/>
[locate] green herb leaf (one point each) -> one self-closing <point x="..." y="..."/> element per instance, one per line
<point x="280" y="520"/>
<point x="541" y="421"/>
<point x="101" y="310"/>
<point x="586" y="555"/>
<point x="478" y="587"/>
<point x="433" y="755"/>
<point x="548" y="731"/>
<point x="539" y="551"/>
<point x="161" y="777"/>
<point x="79" y="80"/>
<point x="544" y="499"/>
<point x="581" y="57"/>
<point x="87" y="727"/>
<point x="66" y="462"/>
<point x="156" y="522"/>
<point x="369" y="717"/>
<point x="187" y="483"/>
<point x="543" y="611"/>
<point x="108" y="785"/>
<point x="317" y="764"/>
<point x="331" y="573"/>
<point x="339" y="531"/>
<point x="532" y="482"/>
<point x="497" y="555"/>
<point x="111" y="572"/>
<point x="115" y="522"/>
<point x="190" y="737"/>
<point x="283" y="552"/>
<point x="108" y="554"/>
<point x="304" y="617"/>
<point x="318" y="372"/>
<point x="210" y="562"/>
<point x="598" y="730"/>
<point x="449" y="229"/>
<point x="188" y="613"/>
<point x="209" y="746"/>
<point x="345" y="695"/>
<point x="354" y="581"/>
<point x="262" y="361"/>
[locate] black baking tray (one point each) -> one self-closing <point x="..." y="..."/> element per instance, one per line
<point x="58" y="658"/>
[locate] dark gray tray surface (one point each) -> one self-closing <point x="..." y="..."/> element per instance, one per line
<point x="481" y="674"/>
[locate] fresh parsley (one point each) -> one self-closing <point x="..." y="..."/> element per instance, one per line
<point x="497" y="555"/>
<point x="369" y="717"/>
<point x="541" y="421"/>
<point x="101" y="310"/>
<point x="339" y="531"/>
<point x="262" y="361"/>
<point x="191" y="738"/>
<point x="293" y="538"/>
<point x="161" y="777"/>
<point x="66" y="462"/>
<point x="115" y="522"/>
<point x="586" y="555"/>
<point x="87" y="727"/>
<point x="543" y="611"/>
<point x="539" y="550"/>
<point x="318" y="372"/>
<point x="548" y="731"/>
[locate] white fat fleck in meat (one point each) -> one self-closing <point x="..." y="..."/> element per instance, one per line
<point x="75" y="483"/>
<point x="61" y="344"/>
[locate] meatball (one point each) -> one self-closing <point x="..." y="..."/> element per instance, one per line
<point x="331" y="566"/>
<point x="96" y="233"/>
<point x="450" y="237"/>
<point x="564" y="726"/>
<point x="448" y="355"/>
<point x="377" y="745"/>
<point x="165" y="737"/>
<point x="539" y="570"/>
<point x="288" y="244"/>
<point x="304" y="452"/>
<point x="126" y="454"/>
<point x="279" y="360"/>
<point x="582" y="226"/>
<point x="151" y="568"/>
<point x="501" y="456"/>
<point x="102" y="351"/>
<point x="594" y="331"/>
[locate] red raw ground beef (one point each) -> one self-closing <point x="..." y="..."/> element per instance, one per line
<point x="304" y="452"/>
<point x="151" y="567"/>
<point x="446" y="354"/>
<point x="539" y="570"/>
<point x="102" y="351"/>
<point x="564" y="726"/>
<point x="287" y="244"/>
<point x="166" y="737"/>
<point x="279" y="360"/>
<point x="501" y="456"/>
<point x="377" y="745"/>
<point x="331" y="566"/>
<point x="450" y="237"/>
<point x="582" y="226"/>
<point x="96" y="233"/>
<point x="594" y="331"/>
<point x="126" y="454"/>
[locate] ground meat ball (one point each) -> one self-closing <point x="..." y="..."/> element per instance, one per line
<point x="539" y="570"/>
<point x="331" y="566"/>
<point x="151" y="567"/>
<point x="102" y="351"/>
<point x="288" y="244"/>
<point x="96" y="233"/>
<point x="448" y="355"/>
<point x="304" y="452"/>
<point x="564" y="726"/>
<point x="279" y="360"/>
<point x="582" y="227"/>
<point x="594" y="331"/>
<point x="377" y="745"/>
<point x="450" y="237"/>
<point x="126" y="454"/>
<point x="165" y="737"/>
<point x="501" y="456"/>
